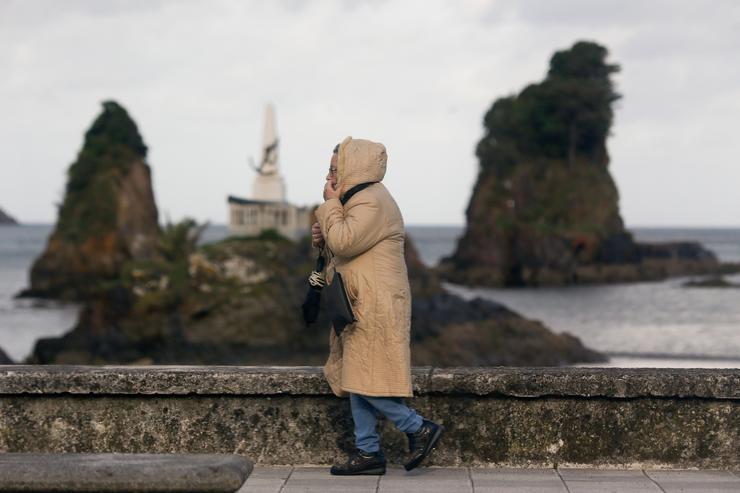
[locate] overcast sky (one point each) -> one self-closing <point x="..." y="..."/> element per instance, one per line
<point x="415" y="75"/>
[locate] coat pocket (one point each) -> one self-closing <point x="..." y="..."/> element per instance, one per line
<point x="350" y="285"/>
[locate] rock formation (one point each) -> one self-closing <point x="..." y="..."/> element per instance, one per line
<point x="238" y="302"/>
<point x="545" y="209"/>
<point x="5" y="219"/>
<point x="108" y="215"/>
<point x="710" y="282"/>
<point x="153" y="295"/>
<point x="5" y="359"/>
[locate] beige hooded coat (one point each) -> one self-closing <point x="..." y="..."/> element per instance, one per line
<point x="365" y="238"/>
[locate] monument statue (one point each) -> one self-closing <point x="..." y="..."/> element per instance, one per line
<point x="269" y="184"/>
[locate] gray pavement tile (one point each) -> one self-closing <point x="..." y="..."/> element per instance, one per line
<point x="607" y="481"/>
<point x="451" y="473"/>
<point x="425" y="487"/>
<point x="265" y="479"/>
<point x="270" y="472"/>
<point x="261" y="486"/>
<point x="426" y="479"/>
<point x="319" y="472"/>
<point x="506" y="480"/>
<point x="330" y="486"/>
<point x="695" y="481"/>
<point x="318" y="480"/>
<point x="612" y="487"/>
<point x="519" y="487"/>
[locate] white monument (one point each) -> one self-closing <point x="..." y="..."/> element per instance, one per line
<point x="269" y="185"/>
<point x="268" y="208"/>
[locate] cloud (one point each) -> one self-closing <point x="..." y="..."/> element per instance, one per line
<point x="416" y="75"/>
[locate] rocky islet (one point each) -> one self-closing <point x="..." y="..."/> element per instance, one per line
<point x="545" y="209"/>
<point x="108" y="215"/>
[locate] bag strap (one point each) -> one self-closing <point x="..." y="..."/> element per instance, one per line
<point x="352" y="191"/>
<point x="348" y="195"/>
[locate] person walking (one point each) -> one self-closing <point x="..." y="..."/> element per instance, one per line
<point x="360" y="228"/>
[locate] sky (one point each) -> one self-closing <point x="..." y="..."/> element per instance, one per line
<point x="415" y="75"/>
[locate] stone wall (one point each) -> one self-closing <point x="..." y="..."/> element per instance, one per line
<point x="287" y="415"/>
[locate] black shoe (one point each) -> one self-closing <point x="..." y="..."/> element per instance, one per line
<point x="361" y="462"/>
<point x="423" y="442"/>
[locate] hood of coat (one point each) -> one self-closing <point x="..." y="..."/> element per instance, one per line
<point x="359" y="161"/>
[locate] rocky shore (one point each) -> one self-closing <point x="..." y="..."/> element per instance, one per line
<point x="240" y="304"/>
<point x="710" y="282"/>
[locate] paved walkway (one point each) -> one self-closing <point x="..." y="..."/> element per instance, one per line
<point x="473" y="480"/>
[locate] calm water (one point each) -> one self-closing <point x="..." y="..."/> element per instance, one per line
<point x="644" y="324"/>
<point x="24" y="321"/>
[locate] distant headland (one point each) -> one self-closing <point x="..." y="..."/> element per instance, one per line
<point x="6" y="219"/>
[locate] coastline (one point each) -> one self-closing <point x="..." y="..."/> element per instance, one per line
<point x="23" y="321"/>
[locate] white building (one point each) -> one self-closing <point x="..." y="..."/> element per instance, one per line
<point x="268" y="209"/>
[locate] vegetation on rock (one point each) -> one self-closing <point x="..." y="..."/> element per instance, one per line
<point x="563" y="118"/>
<point x="111" y="146"/>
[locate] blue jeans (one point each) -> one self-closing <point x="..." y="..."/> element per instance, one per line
<point x="364" y="415"/>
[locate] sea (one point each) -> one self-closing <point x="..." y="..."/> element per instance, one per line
<point x="648" y="324"/>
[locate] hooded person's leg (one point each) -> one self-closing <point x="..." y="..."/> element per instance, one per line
<point x="423" y="434"/>
<point x="405" y="418"/>
<point x="363" y="414"/>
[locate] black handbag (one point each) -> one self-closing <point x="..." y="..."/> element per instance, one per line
<point x="337" y="303"/>
<point x="338" y="306"/>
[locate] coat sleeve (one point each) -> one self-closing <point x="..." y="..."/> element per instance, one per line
<point x="352" y="230"/>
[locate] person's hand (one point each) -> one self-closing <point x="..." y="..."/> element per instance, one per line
<point x="317" y="239"/>
<point x="330" y="192"/>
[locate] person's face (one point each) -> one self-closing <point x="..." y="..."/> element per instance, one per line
<point x="331" y="176"/>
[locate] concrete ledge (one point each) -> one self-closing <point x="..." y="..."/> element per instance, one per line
<point x="162" y="380"/>
<point x="309" y="380"/>
<point x="123" y="472"/>
<point x="588" y="382"/>
<point x="679" y="418"/>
